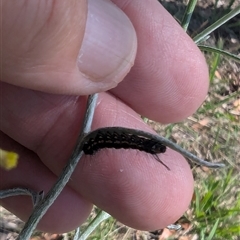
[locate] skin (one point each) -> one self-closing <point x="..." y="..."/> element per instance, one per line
<point x="161" y="75"/>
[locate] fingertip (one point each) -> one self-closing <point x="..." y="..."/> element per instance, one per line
<point x="136" y="189"/>
<point x="169" y="80"/>
<point x="176" y="191"/>
<point x="168" y="193"/>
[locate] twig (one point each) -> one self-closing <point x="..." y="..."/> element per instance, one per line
<point x="43" y="206"/>
<point x="158" y="139"/>
<point x="36" y="196"/>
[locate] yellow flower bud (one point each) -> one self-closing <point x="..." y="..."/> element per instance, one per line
<point x="8" y="160"/>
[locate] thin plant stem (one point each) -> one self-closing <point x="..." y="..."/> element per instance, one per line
<point x="188" y="14"/>
<point x="101" y="216"/>
<point x="201" y="36"/>
<point x="36" y="196"/>
<point x="158" y="139"/>
<point x="220" y="51"/>
<point x="215" y="61"/>
<point x="43" y="206"/>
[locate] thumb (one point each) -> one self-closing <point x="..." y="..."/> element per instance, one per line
<point x="66" y="47"/>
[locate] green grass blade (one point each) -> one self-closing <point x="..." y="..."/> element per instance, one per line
<point x="215" y="61"/>
<point x="197" y="202"/>
<point x="227" y="99"/>
<point x="101" y="216"/>
<point x="206" y="201"/>
<point x="219" y="51"/>
<point x="213" y="231"/>
<point x="188" y="14"/>
<point x="216" y="25"/>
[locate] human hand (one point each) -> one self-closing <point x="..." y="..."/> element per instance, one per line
<point x="168" y="81"/>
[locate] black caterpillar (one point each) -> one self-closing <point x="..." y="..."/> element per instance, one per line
<point x="112" y="138"/>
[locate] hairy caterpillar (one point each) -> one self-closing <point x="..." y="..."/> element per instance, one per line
<point x="121" y="138"/>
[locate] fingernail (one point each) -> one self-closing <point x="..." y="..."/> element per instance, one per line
<point x="109" y="45"/>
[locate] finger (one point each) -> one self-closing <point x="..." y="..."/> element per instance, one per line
<point x="131" y="185"/>
<point x="170" y="73"/>
<point x="32" y="173"/>
<point x="136" y="189"/>
<point x="67" y="47"/>
<point x="126" y="184"/>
